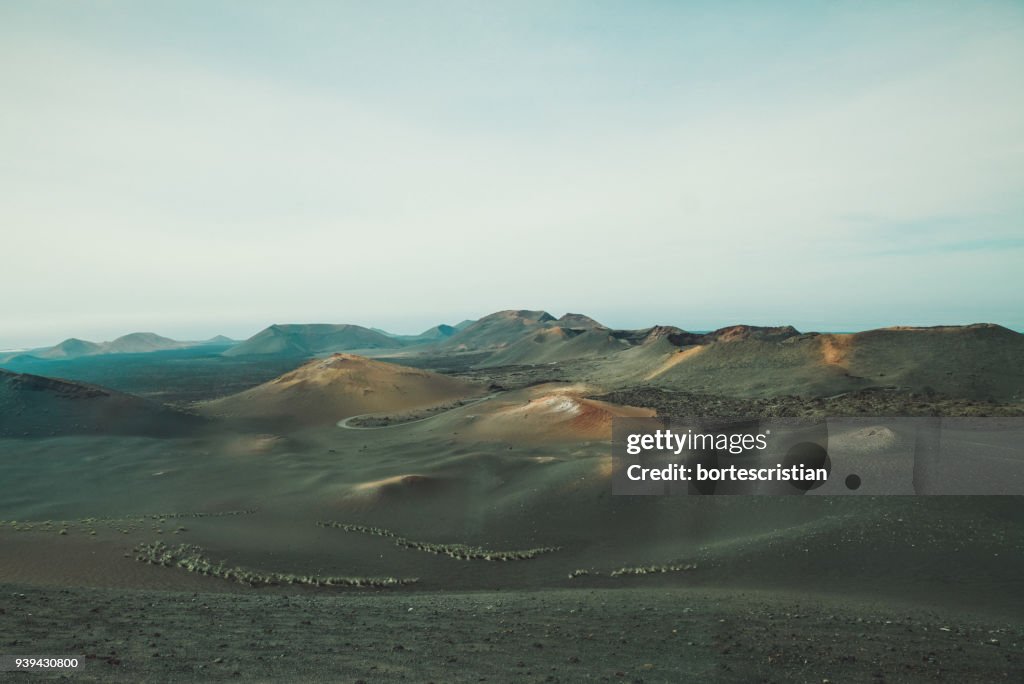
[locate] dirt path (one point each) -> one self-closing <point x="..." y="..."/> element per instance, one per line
<point x="346" y="422"/>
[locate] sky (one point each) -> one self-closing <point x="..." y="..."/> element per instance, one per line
<point x="202" y="168"/>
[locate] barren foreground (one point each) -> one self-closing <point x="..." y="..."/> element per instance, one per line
<point x="632" y="635"/>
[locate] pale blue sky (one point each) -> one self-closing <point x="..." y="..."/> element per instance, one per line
<point x="214" y="167"/>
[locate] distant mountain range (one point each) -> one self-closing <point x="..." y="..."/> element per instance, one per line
<point x="492" y="332"/>
<point x="311" y="339"/>
<point x="134" y="343"/>
<point x="982" y="361"/>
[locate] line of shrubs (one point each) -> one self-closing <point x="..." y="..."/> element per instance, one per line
<point x="191" y="558"/>
<point x="459" y="551"/>
<point x="653" y="569"/>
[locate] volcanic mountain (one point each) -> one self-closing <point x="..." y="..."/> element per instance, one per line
<point x="311" y="339"/>
<point x="219" y="339"/>
<point x="138" y="343"/>
<point x="342" y="385"/>
<point x="68" y="349"/>
<point x="501" y="329"/>
<point x="497" y="330"/>
<point x="35" y="406"/>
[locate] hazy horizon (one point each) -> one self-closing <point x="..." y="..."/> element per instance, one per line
<point x="194" y="169"/>
<point x="199" y="334"/>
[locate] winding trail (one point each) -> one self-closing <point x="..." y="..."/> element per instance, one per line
<point x="344" y="423"/>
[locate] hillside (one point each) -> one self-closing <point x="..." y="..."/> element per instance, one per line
<point x="981" y="361"/>
<point x="556" y="344"/>
<point x="36" y="406"/>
